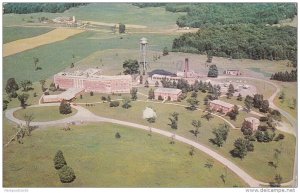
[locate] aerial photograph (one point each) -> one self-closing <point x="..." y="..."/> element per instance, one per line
<point x="149" y="95"/>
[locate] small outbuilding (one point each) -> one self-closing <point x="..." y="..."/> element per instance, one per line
<point x="220" y="106"/>
<point x="253" y="122"/>
<point x="167" y="93"/>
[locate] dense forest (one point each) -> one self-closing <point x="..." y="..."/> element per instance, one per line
<point x="242" y="41"/>
<point x="23" y="8"/>
<point x="205" y="14"/>
<point x="285" y="76"/>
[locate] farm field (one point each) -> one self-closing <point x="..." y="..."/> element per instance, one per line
<point x="100" y="160"/>
<point x="261" y="155"/>
<point x="33" y="42"/>
<point x="15" y="33"/>
<point x="43" y="113"/>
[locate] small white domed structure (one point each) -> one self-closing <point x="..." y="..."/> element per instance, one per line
<point x="149" y="113"/>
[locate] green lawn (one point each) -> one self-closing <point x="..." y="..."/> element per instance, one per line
<point x="100" y="160"/>
<point x="15" y="33"/>
<point x="43" y="113"/>
<point x="257" y="160"/>
<point x="290" y="90"/>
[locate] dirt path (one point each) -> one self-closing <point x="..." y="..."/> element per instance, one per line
<point x="55" y="35"/>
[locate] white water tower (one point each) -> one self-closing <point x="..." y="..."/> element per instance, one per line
<point x="143" y="49"/>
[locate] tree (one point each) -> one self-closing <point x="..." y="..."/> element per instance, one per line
<point x="247" y="128"/>
<point x="239" y="97"/>
<point x="133" y="93"/>
<point x="65" y="107"/>
<point x="156" y="84"/>
<point x="282" y="96"/>
<point x="122" y="28"/>
<point x="151" y="94"/>
<point x="117" y="135"/>
<point x="146" y="84"/>
<point x="208" y="116"/>
<point x="35" y="61"/>
<point x="72" y="65"/>
<point x="43" y="82"/>
<point x="126" y="103"/>
<point x="197" y="125"/>
<point x="91" y="93"/>
<point x="25" y="84"/>
<point x="66" y="174"/>
<point x="213" y="71"/>
<point x="232" y="114"/>
<point x="192" y="151"/>
<point x="230" y="91"/>
<point x="194" y="94"/>
<point x="264" y="106"/>
<point x="114" y="103"/>
<point x="141" y="79"/>
<point x="59" y="160"/>
<point x="52" y="87"/>
<point x="131" y="66"/>
<point x="165" y="51"/>
<point x="23" y="98"/>
<point x="242" y="146"/>
<point x="193" y="103"/>
<point x="221" y="134"/>
<point x="209" y="57"/>
<point x="174" y="120"/>
<point x="258" y="100"/>
<point x="28" y="119"/>
<point x="11" y="87"/>
<point x="209" y="163"/>
<point x="248" y="103"/>
<point x="277" y="181"/>
<point x="5" y="102"/>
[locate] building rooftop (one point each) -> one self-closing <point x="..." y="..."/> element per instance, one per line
<point x="92" y="73"/>
<point x="168" y="90"/>
<point x="70" y="93"/>
<point x="222" y="103"/>
<point x="252" y="119"/>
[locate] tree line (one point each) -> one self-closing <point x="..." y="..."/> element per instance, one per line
<point x="242" y="41"/>
<point x="23" y="8"/>
<point x="204" y="14"/>
<point x="285" y="76"/>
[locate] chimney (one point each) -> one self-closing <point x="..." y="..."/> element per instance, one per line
<point x="186" y="67"/>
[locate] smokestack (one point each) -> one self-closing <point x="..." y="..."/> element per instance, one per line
<point x="186" y="67"/>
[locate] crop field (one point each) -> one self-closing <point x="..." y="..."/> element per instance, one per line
<point x="134" y="160"/>
<point x="261" y="155"/>
<point x="15" y="33"/>
<point x="33" y="42"/>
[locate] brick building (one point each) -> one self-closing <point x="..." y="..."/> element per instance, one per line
<point x="253" y="122"/>
<point x="92" y="80"/>
<point x="220" y="106"/>
<point x="166" y="93"/>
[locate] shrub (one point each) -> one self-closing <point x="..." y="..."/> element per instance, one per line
<point x="169" y="98"/>
<point x="263" y="119"/>
<point x="34" y="94"/>
<point x="65" y="108"/>
<point x="114" y="103"/>
<point x="279" y="137"/>
<point x="91" y="93"/>
<point x="117" y="135"/>
<point x="46" y="93"/>
<point x="160" y="98"/>
<point x="59" y="160"/>
<point x="103" y="98"/>
<point x="66" y="174"/>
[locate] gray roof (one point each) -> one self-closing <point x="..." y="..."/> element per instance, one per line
<point x="168" y="90"/>
<point x="222" y="103"/>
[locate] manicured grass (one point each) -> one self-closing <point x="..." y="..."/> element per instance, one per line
<point x="257" y="160"/>
<point x="290" y="90"/>
<point x="43" y="113"/>
<point x="15" y="33"/>
<point x="101" y="160"/>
